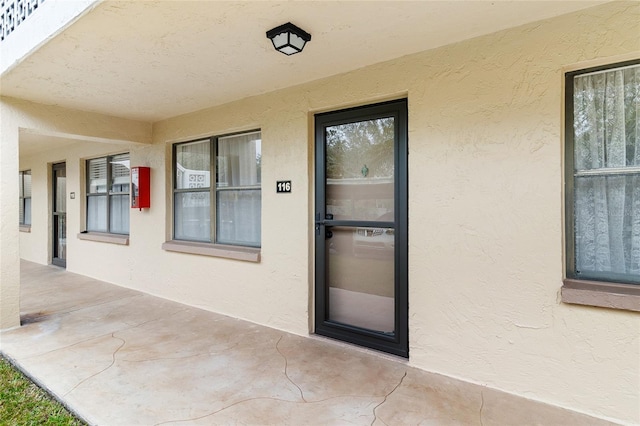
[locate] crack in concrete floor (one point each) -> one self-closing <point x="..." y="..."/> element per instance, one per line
<point x="481" y="407"/>
<point x="113" y="361"/>
<point x="193" y="419"/>
<point x="375" y="416"/>
<point x="67" y="346"/>
<point x="286" y="365"/>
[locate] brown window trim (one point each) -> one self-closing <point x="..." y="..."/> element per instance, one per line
<point x="247" y="254"/>
<point x="601" y="294"/>
<point x="105" y="237"/>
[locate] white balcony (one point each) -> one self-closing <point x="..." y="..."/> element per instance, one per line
<point x="26" y="25"/>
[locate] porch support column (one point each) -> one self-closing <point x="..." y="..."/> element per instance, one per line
<point x="9" y="229"/>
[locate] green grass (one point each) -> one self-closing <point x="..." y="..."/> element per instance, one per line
<point x="24" y="403"/>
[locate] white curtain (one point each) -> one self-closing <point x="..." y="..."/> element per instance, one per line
<point x="119" y="214"/>
<point x="97" y="213"/>
<point x="239" y="199"/>
<point x="607" y="202"/>
<point x="193" y="208"/>
<point x="192" y="216"/>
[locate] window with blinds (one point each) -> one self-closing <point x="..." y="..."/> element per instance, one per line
<point x="108" y="180"/>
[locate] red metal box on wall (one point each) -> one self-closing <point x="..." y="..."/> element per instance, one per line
<point x="140" y="188"/>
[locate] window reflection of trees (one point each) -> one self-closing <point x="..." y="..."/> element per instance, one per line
<point x="360" y="169"/>
<point x="352" y="146"/>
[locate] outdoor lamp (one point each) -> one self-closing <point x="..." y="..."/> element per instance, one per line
<point x="288" y="38"/>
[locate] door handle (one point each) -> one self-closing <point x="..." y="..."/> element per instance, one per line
<point x="326" y="225"/>
<point x="328" y="233"/>
<point x="323" y="223"/>
<point x="320" y="223"/>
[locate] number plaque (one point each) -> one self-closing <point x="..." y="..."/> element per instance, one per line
<point x="283" y="186"/>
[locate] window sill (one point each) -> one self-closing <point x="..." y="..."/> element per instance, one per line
<point x="601" y="294"/>
<point x="25" y="228"/>
<point x="247" y="254"/>
<point x="104" y="238"/>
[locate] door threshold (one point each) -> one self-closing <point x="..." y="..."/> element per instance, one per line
<point x="359" y="348"/>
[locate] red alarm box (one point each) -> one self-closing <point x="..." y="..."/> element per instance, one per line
<point x="140" y="188"/>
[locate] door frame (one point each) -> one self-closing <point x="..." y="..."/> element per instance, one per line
<point x="398" y="343"/>
<point x="54" y="229"/>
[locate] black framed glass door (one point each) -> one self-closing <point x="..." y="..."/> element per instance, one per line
<point x="59" y="213"/>
<point x="361" y="226"/>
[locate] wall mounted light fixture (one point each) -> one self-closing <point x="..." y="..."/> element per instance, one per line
<point x="288" y="38"/>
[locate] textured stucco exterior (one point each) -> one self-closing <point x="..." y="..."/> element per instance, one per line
<point x="9" y="253"/>
<point x="485" y="210"/>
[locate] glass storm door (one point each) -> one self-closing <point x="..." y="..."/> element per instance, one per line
<point x="59" y="189"/>
<point x="361" y="226"/>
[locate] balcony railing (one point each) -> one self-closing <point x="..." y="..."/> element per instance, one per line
<point x="15" y="12"/>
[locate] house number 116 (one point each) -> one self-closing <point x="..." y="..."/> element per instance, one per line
<point x="283" y="186"/>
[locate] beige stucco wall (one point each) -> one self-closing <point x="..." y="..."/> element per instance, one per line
<point x="9" y="217"/>
<point x="485" y="194"/>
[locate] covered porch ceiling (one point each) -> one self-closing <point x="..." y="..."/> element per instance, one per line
<point x="151" y="60"/>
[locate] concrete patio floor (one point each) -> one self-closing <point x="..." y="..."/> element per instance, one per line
<point x="119" y="357"/>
